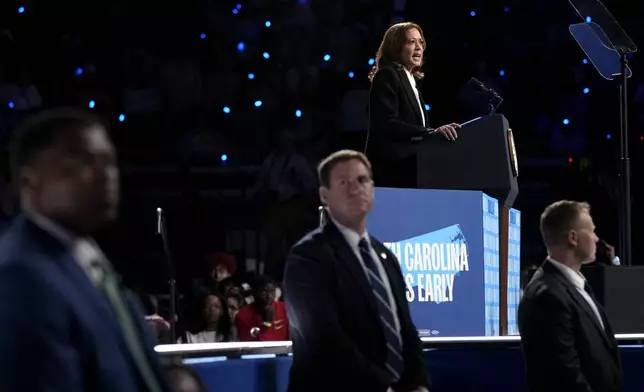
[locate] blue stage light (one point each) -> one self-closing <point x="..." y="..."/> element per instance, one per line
<point x="589" y="19"/>
<point x="351" y="74"/>
<point x="586" y="90"/>
<point x="203" y="36"/>
<point x="238" y="6"/>
<point x="79" y="71"/>
<point x="235" y="11"/>
<point x="472" y="13"/>
<point x="506" y="9"/>
<point x="226" y="109"/>
<point x="91" y="104"/>
<point x="585" y="61"/>
<point x="258" y="104"/>
<point x="241" y="47"/>
<point x="298" y="113"/>
<point x="268" y="23"/>
<point x="21" y="10"/>
<point x="327" y="57"/>
<point x="608" y="136"/>
<point x="266" y="55"/>
<point x="11" y="105"/>
<point x="566" y="121"/>
<point x="121" y="117"/>
<point x="502" y="72"/>
<point x="223" y="157"/>
<point x="251" y="76"/>
<point x="427" y="107"/>
<point x="372" y="61"/>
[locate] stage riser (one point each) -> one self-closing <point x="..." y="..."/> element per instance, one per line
<point x="497" y="369"/>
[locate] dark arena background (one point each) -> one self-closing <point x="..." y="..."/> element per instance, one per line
<point x="199" y="93"/>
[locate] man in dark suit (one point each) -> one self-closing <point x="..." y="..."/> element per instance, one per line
<point x="345" y="296"/>
<point x="67" y="323"/>
<point x="567" y="341"/>
<point x="397" y="116"/>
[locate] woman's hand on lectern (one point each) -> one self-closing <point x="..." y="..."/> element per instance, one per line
<point x="450" y="131"/>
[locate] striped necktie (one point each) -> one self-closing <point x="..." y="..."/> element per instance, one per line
<point x="108" y="282"/>
<point x="395" y="363"/>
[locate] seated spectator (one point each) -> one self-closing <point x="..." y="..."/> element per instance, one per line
<point x="235" y="302"/>
<point x="265" y="319"/>
<point x="208" y="321"/>
<point x="220" y="267"/>
<point x="225" y="286"/>
<point x="223" y="265"/>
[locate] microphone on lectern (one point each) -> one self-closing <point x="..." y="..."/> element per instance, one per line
<point x="488" y="92"/>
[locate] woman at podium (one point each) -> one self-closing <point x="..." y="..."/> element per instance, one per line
<point x="397" y="117"/>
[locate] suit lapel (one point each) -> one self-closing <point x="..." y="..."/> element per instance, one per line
<point x="75" y="275"/>
<point x="582" y="303"/>
<point x="350" y="261"/>
<point x="411" y="97"/>
<point x="393" y="273"/>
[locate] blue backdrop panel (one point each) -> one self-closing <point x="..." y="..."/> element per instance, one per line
<point x="483" y="369"/>
<point x="438" y="237"/>
<point x="514" y="270"/>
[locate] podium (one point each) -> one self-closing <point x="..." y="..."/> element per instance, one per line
<point x="483" y="158"/>
<point x="619" y="289"/>
<point x="447" y="244"/>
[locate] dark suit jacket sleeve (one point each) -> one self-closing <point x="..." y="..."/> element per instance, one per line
<point x="384" y="104"/>
<point x="547" y="336"/>
<point x="37" y="352"/>
<point x="311" y="313"/>
<point x="415" y="365"/>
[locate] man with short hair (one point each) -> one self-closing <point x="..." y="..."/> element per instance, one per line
<point x="345" y="296"/>
<point x="265" y="319"/>
<point x="67" y="322"/>
<point x="567" y="341"/>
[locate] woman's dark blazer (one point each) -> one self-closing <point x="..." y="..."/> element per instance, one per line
<point x="395" y="118"/>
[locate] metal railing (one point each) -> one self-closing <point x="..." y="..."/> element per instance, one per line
<point x="241" y="349"/>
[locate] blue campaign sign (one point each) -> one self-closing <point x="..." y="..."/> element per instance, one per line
<point x="442" y="239"/>
<point x="514" y="270"/>
<point x="491" y="266"/>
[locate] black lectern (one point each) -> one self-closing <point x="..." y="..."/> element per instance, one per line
<point x="620" y="290"/>
<point x="483" y="158"/>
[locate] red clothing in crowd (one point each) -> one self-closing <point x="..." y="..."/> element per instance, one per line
<point x="248" y="318"/>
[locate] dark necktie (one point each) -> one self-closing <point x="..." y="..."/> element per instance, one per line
<point x="602" y="316"/>
<point x="590" y="292"/>
<point x="395" y="363"/>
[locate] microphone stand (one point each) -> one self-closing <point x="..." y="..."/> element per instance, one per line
<point x="163" y="232"/>
<point x="625" y="240"/>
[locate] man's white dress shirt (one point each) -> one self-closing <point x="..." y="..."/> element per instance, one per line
<point x="579" y="282"/>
